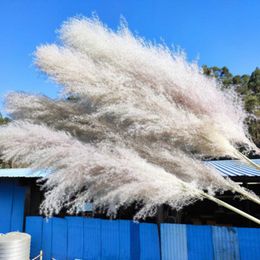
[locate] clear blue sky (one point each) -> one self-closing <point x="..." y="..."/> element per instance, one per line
<point x="219" y="32"/>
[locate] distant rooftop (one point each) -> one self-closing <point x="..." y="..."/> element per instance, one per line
<point x="227" y="168"/>
<point x="22" y="172"/>
<point x="235" y="168"/>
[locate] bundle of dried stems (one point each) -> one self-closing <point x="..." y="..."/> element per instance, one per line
<point x="132" y="124"/>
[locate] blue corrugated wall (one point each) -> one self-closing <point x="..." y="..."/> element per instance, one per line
<point x="90" y="239"/>
<point x="87" y="238"/>
<point x="190" y="242"/>
<point x="12" y="199"/>
<point x="249" y="243"/>
<point x="174" y="242"/>
<point x="199" y="242"/>
<point x="225" y="243"/>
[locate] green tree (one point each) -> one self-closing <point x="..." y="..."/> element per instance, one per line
<point x="251" y="103"/>
<point x="3" y="120"/>
<point x="206" y="70"/>
<point x="254" y="81"/>
<point x="236" y="80"/>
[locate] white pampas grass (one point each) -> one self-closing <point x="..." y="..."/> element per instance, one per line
<point x="158" y="68"/>
<point x="110" y="176"/>
<point x="134" y="129"/>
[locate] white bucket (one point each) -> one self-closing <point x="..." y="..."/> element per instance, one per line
<point x="15" y="246"/>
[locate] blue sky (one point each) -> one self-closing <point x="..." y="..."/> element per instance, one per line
<point x="218" y="32"/>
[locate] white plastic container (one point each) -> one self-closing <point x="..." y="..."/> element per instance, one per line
<point x="15" y="246"/>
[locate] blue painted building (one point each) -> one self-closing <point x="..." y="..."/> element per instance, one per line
<point x="79" y="237"/>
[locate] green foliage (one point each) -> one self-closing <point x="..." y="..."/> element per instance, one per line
<point x="248" y="86"/>
<point x="5" y="165"/>
<point x="206" y="70"/>
<point x="254" y="81"/>
<point x="251" y="103"/>
<point x="3" y="120"/>
<point x="222" y="74"/>
<point x="236" y="80"/>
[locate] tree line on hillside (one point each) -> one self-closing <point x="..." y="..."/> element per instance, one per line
<point x="248" y="87"/>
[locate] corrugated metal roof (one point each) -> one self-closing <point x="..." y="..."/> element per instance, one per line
<point x="235" y="168"/>
<point x="22" y="172"/>
<point x="230" y="168"/>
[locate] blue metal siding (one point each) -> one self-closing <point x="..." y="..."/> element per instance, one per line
<point x="34" y="228"/>
<point x="92" y="238"/>
<point x="200" y="244"/>
<point x="47" y="238"/>
<point x="59" y="238"/>
<point x="12" y="198"/>
<point x="249" y="243"/>
<point x="149" y="242"/>
<point x="18" y="208"/>
<point x="225" y="243"/>
<point x="75" y="237"/>
<point x="124" y="239"/>
<point x="134" y="241"/>
<point x="6" y="203"/>
<point x="209" y="242"/>
<point x="174" y="242"/>
<point x="110" y="239"/>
